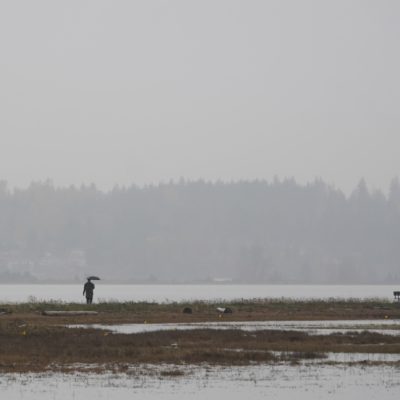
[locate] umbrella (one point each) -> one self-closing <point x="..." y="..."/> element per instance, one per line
<point x="93" y="278"/>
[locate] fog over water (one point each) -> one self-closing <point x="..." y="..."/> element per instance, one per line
<point x="277" y="232"/>
<point x="190" y="119"/>
<point x="181" y="293"/>
<point x="200" y="150"/>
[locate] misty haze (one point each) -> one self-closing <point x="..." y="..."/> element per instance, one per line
<point x="199" y="232"/>
<point x="217" y="97"/>
<point x="226" y="172"/>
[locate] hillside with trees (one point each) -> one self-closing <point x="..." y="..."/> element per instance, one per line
<point x="250" y="232"/>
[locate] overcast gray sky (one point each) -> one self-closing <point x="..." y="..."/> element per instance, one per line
<point x="146" y="91"/>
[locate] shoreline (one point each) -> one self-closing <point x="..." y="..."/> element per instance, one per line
<point x="201" y="311"/>
<point x="32" y="342"/>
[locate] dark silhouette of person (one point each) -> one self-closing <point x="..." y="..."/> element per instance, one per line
<point x="88" y="289"/>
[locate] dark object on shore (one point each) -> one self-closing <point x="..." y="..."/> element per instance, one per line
<point x="88" y="289"/>
<point x="396" y="296"/>
<point x="68" y="313"/>
<point x="224" y="310"/>
<point x="187" y="310"/>
<point x="4" y="311"/>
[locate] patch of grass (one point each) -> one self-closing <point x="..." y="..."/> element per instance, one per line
<point x="245" y="305"/>
<point x="243" y="310"/>
<point x="30" y="341"/>
<point x="37" y="348"/>
<point x="302" y="355"/>
<point x="172" y="373"/>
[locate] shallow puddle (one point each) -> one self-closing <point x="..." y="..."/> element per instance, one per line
<point x="280" y="382"/>
<point x="389" y="327"/>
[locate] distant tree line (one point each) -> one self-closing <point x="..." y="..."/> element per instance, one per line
<point x="250" y="231"/>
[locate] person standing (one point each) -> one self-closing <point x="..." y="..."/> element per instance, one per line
<point x="88" y="289"/>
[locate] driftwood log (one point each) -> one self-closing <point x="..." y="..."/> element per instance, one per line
<point x="68" y="313"/>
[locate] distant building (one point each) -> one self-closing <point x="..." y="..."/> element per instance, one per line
<point x="15" y="266"/>
<point x="222" y="280"/>
<point x="68" y="268"/>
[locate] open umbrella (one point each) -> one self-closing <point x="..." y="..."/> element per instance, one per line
<point x="93" y="278"/>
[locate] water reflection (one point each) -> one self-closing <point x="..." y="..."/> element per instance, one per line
<point x="385" y="326"/>
<point x="280" y="382"/>
<point x="170" y="293"/>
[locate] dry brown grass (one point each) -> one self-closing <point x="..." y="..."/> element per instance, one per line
<point x="37" y="348"/>
<point x="244" y="310"/>
<point x="32" y="342"/>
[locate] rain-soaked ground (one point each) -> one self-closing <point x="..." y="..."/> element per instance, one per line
<point x="306" y="381"/>
<point x="333" y="376"/>
<point x="386" y="326"/>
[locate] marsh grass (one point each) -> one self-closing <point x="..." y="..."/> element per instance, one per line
<point x="242" y="308"/>
<point x="36" y="348"/>
<point x="172" y="373"/>
<point x="302" y="355"/>
<point x="32" y="342"/>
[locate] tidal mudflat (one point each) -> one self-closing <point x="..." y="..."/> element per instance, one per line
<point x="274" y="348"/>
<point x="256" y="332"/>
<point x="321" y="327"/>
<point x="280" y="382"/>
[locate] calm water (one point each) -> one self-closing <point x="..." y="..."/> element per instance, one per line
<point x="278" y="382"/>
<point x="384" y="326"/>
<point x="170" y="293"/>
